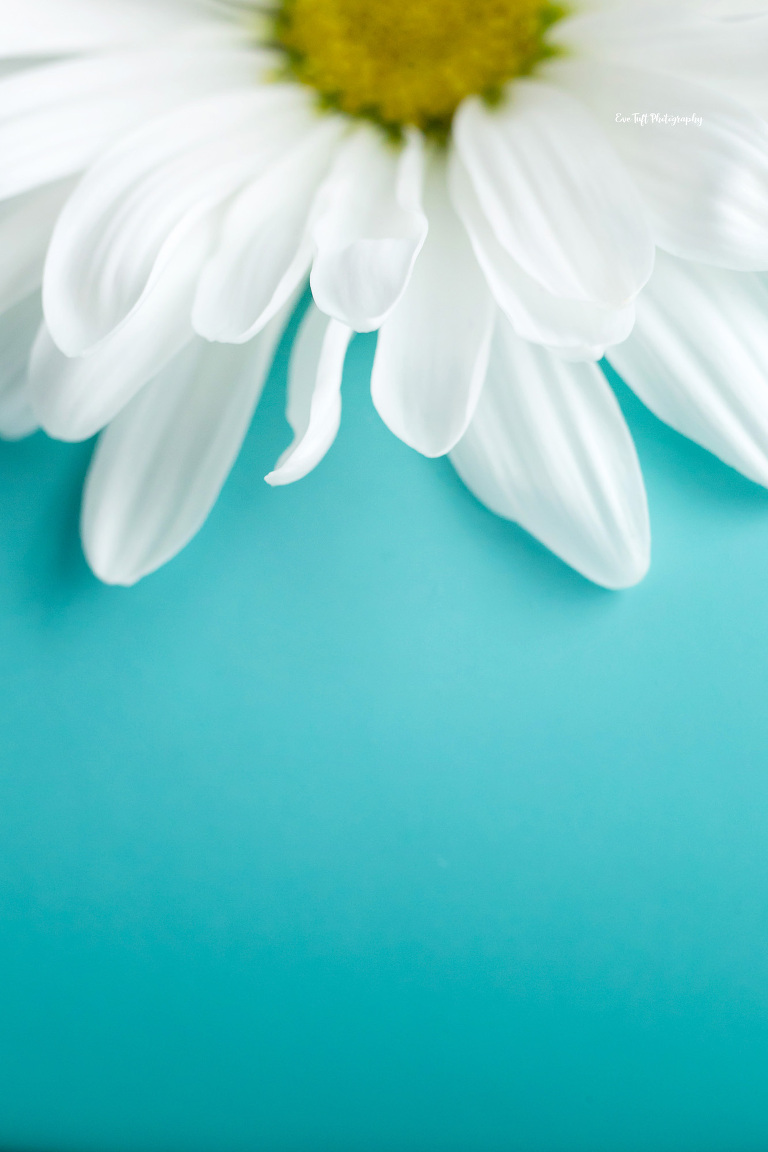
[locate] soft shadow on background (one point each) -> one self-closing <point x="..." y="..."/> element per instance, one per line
<point x="367" y="824"/>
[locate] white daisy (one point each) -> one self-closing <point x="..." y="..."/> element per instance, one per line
<point x="466" y="176"/>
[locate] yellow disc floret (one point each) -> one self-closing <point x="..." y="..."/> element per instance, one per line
<point x="412" y="62"/>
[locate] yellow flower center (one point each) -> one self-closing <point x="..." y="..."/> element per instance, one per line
<point x="412" y="62"/>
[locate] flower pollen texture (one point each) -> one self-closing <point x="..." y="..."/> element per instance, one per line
<point x="411" y="62"/>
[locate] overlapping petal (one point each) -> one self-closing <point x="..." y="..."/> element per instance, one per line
<point x="138" y="203"/>
<point x="30" y="28"/>
<point x="26" y="223"/>
<point x="577" y="328"/>
<point x="723" y="45"/>
<point x="699" y="359"/>
<point x="74" y="397"/>
<point x="548" y="448"/>
<point x="705" y="186"/>
<point x="369" y="227"/>
<point x="432" y="352"/>
<point x="556" y="195"/>
<point x="160" y="465"/>
<point x="55" y="119"/>
<point x="265" y="248"/>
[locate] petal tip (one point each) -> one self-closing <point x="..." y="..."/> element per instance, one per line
<point x="108" y="570"/>
<point x="627" y="571"/>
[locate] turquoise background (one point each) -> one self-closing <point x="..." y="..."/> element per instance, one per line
<point x="367" y="824"/>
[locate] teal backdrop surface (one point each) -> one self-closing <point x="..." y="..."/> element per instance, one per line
<point x="368" y="825"/>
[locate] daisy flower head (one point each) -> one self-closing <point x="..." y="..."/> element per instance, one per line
<point x="506" y="190"/>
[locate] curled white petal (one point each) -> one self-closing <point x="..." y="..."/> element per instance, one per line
<point x="369" y="228"/>
<point x="314" y="395"/>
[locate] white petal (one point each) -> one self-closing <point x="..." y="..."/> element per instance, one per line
<point x="369" y="228"/>
<point x="736" y="9"/>
<point x="26" y="223"/>
<point x="705" y="185"/>
<point x="699" y="359"/>
<point x="17" y="331"/>
<point x="556" y="195"/>
<point x="314" y="395"/>
<point x="625" y="31"/>
<point x="55" y="119"/>
<point x="548" y="448"/>
<point x="137" y="203"/>
<point x="432" y="352"/>
<point x="53" y="27"/>
<point x="577" y="327"/>
<point x="264" y="252"/>
<point x="74" y="397"/>
<point x="159" y="467"/>
<point x="681" y="39"/>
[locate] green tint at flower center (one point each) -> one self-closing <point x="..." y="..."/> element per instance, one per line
<point x="412" y="62"/>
